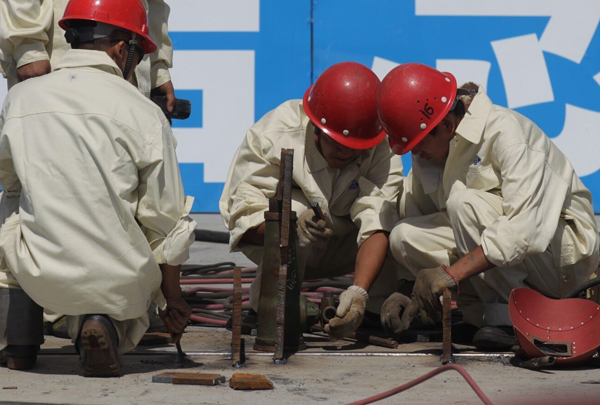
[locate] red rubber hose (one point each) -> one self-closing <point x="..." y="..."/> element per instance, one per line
<point x="209" y="321"/>
<point x="212" y="280"/>
<point x="425" y="377"/>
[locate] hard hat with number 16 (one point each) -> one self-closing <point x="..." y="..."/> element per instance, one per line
<point x="413" y="99"/>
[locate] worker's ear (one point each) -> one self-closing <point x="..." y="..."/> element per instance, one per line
<point x="118" y="53"/>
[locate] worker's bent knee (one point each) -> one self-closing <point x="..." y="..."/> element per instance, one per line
<point x="462" y="206"/>
<point x="402" y="240"/>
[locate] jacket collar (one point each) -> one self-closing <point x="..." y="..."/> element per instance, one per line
<point x="472" y="125"/>
<point x="315" y="161"/>
<point x="78" y="58"/>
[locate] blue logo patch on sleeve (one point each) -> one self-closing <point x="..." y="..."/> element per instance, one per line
<point x="477" y="160"/>
<point x="353" y="185"/>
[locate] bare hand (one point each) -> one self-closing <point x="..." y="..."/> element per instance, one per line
<point x="33" y="69"/>
<point x="176" y="316"/>
<point x="168" y="91"/>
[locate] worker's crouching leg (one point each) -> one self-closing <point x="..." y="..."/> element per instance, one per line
<point x="21" y="319"/>
<point x="423" y="242"/>
<point x="21" y="329"/>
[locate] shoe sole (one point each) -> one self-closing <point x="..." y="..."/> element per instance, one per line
<point x="101" y="358"/>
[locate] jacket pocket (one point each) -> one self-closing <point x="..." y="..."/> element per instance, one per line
<point x="482" y="178"/>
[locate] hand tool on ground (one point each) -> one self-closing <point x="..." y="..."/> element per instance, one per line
<point x="374" y="340"/>
<point x="188" y="378"/>
<point x="238" y="352"/>
<point x="446" y="327"/>
<point x="180" y="353"/>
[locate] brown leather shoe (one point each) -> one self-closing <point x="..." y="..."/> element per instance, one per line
<point x="98" y="342"/>
<point x="19" y="357"/>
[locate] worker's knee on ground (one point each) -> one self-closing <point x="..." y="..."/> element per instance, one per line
<point x="462" y="207"/>
<point x="21" y="319"/>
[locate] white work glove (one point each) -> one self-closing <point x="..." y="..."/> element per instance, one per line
<point x="349" y="313"/>
<point x="311" y="230"/>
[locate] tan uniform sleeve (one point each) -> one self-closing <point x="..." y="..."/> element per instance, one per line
<point x="375" y="208"/>
<point x="533" y="197"/>
<point x="162" y="59"/>
<point x="162" y="208"/>
<point x="23" y="35"/>
<point x="414" y="200"/>
<point x="252" y="181"/>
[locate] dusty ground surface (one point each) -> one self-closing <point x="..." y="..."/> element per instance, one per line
<point x="325" y="373"/>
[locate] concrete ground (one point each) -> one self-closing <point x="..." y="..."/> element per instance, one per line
<point x="335" y="373"/>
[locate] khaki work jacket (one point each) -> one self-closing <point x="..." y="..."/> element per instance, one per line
<point x="30" y="33"/>
<point x="93" y="200"/>
<point x="363" y="194"/>
<point x="499" y="151"/>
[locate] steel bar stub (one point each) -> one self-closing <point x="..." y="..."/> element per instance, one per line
<point x="237" y="351"/>
<point x="446" y="328"/>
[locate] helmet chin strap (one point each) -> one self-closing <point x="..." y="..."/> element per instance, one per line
<point x="129" y="62"/>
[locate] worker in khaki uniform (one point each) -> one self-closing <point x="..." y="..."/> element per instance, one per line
<point x="94" y="219"/>
<point x="490" y="205"/>
<point x="32" y="43"/>
<point x="342" y="162"/>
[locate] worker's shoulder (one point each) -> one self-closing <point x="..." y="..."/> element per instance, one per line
<point x="288" y="117"/>
<point x="508" y="127"/>
<point x="80" y="92"/>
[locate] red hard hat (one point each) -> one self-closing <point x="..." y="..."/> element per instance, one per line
<point x="129" y="15"/>
<point x="412" y="100"/>
<point x="567" y="329"/>
<point x="342" y="103"/>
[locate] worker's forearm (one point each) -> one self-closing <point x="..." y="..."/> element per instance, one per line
<point x="470" y="265"/>
<point x="170" y="280"/>
<point x="256" y="236"/>
<point x="369" y="260"/>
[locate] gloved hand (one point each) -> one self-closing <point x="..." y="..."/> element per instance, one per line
<point x="312" y="230"/>
<point x="349" y="313"/>
<point x="392" y="311"/>
<point x="428" y="287"/>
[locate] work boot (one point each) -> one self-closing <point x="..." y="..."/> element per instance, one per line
<point x="491" y="338"/>
<point x="58" y="328"/>
<point x="97" y="346"/>
<point x="19" y="357"/>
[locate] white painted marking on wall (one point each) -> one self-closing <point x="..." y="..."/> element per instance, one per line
<point x="227" y="81"/>
<point x="524" y="71"/>
<point x="568" y="34"/>
<point x="382" y="66"/>
<point x="466" y="70"/>
<point x="578" y="138"/>
<point x="215" y="15"/>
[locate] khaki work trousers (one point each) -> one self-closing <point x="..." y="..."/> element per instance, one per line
<point x="442" y="238"/>
<point x="130" y="331"/>
<point x="337" y="258"/>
